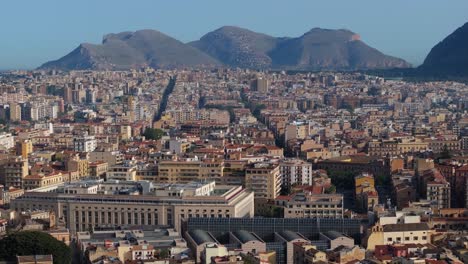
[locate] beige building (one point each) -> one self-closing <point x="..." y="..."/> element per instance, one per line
<point x="399" y="229"/>
<point x="347" y="255"/>
<point x="125" y="132"/>
<point x="24" y="148"/>
<point x="98" y="169"/>
<point x="249" y="242"/>
<point x="13" y="170"/>
<point x="306" y="253"/>
<point x="336" y="239"/>
<point x="264" y="179"/>
<point x="179" y="145"/>
<point x="164" y="205"/>
<point x="111" y="157"/>
<point x="303" y="205"/>
<point x="80" y="165"/>
<point x="395" y="147"/>
<point x="15" y="112"/>
<point x="296" y="130"/>
<point x="42" y="180"/>
<point x="184" y="171"/>
<point x="123" y="172"/>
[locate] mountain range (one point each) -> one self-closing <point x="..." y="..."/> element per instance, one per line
<point x="317" y="49"/>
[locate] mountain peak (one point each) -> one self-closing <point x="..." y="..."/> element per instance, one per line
<point x="231" y="28"/>
<point x="450" y="56"/>
<point x="330" y="35"/>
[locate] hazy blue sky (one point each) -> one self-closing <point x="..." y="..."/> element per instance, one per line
<point x="33" y="32"/>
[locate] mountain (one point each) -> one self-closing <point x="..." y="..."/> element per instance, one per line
<point x="449" y="57"/>
<point x="133" y="49"/>
<point x="327" y="49"/>
<point x="318" y="49"/>
<point x="238" y="47"/>
<point x="315" y="50"/>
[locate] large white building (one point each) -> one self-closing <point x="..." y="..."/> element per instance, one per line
<point x="84" y="143"/>
<point x="398" y="229"/>
<point x="7" y="141"/>
<point x="126" y="206"/>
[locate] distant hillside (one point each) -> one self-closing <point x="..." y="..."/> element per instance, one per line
<point x="133" y="49"/>
<point x="321" y="49"/>
<point x="318" y="49"/>
<point x="238" y="47"/>
<point x="449" y="57"/>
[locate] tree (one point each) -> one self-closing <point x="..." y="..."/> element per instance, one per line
<point x="26" y="243"/>
<point x="331" y="189"/>
<point x="153" y="133"/>
<point x="164" y="253"/>
<point x="342" y="179"/>
<point x="445" y="154"/>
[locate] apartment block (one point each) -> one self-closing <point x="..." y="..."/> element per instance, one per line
<point x="264" y="179"/>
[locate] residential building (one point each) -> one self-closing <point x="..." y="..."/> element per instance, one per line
<point x="6" y="141"/>
<point x="24" y="148"/>
<point x="295" y="172"/>
<point x="13" y="171"/>
<point x="305" y="205"/>
<point x="264" y="179"/>
<point x="84" y="143"/>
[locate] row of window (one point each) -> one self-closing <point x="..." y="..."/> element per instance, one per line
<point x="116" y="218"/>
<point x="398" y="239"/>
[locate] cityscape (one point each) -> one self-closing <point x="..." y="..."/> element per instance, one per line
<point x="236" y="148"/>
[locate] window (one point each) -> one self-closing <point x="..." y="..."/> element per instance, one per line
<point x="389" y="239"/>
<point x="424" y="238"/>
<point x="415" y="238"/>
<point x="406" y="238"/>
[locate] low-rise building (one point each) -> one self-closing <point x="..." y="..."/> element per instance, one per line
<point x="306" y="205"/>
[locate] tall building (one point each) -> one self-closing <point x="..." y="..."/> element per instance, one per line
<point x="264" y="179"/>
<point x="260" y="85"/>
<point x="13" y="171"/>
<point x="4" y="112"/>
<point x="24" y="148"/>
<point x="296" y="130"/>
<point x="15" y="112"/>
<point x="296" y="172"/>
<point x="90" y="96"/>
<point x="438" y="192"/>
<point x="67" y="94"/>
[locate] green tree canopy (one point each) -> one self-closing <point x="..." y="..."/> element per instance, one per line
<point x="27" y="243"/>
<point x="153" y="133"/>
<point x="445" y="154"/>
